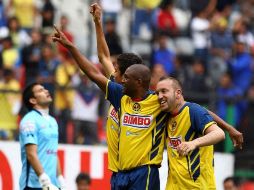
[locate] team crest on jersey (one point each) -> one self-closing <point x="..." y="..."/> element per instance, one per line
<point x="173" y="126"/>
<point x="136" y="107"/>
<point x="174" y="142"/>
<point x="137" y="121"/>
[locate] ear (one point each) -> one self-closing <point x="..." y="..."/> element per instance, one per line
<point x="32" y="101"/>
<point x="178" y="93"/>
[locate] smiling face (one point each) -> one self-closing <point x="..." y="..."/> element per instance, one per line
<point x="169" y="95"/>
<point x="42" y="98"/>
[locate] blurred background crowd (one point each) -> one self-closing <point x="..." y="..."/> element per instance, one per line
<point x="208" y="45"/>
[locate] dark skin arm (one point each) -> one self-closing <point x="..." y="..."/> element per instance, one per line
<point x="235" y="135"/>
<point x="84" y="64"/>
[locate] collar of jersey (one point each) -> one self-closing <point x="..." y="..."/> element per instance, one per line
<point x="140" y="99"/>
<point x="174" y="115"/>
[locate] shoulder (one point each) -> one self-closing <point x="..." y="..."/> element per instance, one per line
<point x="196" y="109"/>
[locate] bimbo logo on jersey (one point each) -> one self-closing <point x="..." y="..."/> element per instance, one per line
<point x="137" y="121"/>
<point x="113" y="114"/>
<point x="174" y="141"/>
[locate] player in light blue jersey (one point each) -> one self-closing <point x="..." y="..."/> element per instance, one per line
<point x="39" y="142"/>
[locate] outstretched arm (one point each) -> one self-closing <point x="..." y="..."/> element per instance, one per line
<point x="235" y="135"/>
<point x="84" y="64"/>
<point x="102" y="47"/>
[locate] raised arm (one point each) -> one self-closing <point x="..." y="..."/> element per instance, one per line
<point x="84" y="64"/>
<point x="102" y="47"/>
<point x="236" y="136"/>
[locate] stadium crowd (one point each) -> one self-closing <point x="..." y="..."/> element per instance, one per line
<point x="207" y="45"/>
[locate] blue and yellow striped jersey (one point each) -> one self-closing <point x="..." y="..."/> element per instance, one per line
<point x="194" y="171"/>
<point x="112" y="129"/>
<point x="142" y="128"/>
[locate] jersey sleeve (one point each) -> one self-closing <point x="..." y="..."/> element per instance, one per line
<point x="200" y="118"/>
<point x="114" y="93"/>
<point x="28" y="132"/>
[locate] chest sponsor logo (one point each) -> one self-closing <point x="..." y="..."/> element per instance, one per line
<point x="113" y="115"/>
<point x="174" y="141"/>
<point x="137" y="121"/>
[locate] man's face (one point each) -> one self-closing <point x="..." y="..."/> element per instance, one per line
<point x="229" y="185"/>
<point x="166" y="95"/>
<point x="83" y="185"/>
<point x="117" y="74"/>
<point x="41" y="96"/>
<point x="129" y="82"/>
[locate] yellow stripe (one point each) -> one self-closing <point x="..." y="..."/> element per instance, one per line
<point x="106" y="94"/>
<point x="208" y="125"/>
<point x="147" y="180"/>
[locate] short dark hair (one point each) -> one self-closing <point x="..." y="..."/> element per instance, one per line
<point x="125" y="60"/>
<point x="27" y="94"/>
<point x="235" y="180"/>
<point x="176" y="82"/>
<point x="83" y="177"/>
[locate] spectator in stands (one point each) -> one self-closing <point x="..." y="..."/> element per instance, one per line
<point x="25" y="11"/>
<point x="2" y="15"/>
<point x="83" y="181"/>
<point x="31" y="56"/>
<point x="111" y="9"/>
<point x="240" y="66"/>
<point x="47" y="68"/>
<point x="64" y="21"/>
<point x="86" y="111"/>
<point x="20" y="38"/>
<point x="48" y="14"/>
<point x="221" y="48"/>
<point x="64" y="94"/>
<point x="163" y="55"/>
<point x="143" y="15"/>
<point x="200" y="28"/>
<point x="230" y="183"/>
<point x="166" y="20"/>
<point x="112" y="38"/>
<point x="196" y="85"/>
<point x="10" y="55"/>
<point x="242" y="32"/>
<point x="10" y="103"/>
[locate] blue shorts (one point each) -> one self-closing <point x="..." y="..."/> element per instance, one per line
<point x="141" y="178"/>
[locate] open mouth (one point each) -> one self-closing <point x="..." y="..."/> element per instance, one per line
<point x="163" y="102"/>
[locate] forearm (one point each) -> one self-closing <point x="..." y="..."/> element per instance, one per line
<point x="102" y="48"/>
<point x="220" y="122"/>
<point x="210" y="138"/>
<point x="35" y="163"/>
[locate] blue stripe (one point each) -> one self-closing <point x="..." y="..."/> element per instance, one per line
<point x="193" y="154"/>
<point x="195" y="164"/>
<point x="196" y="174"/>
<point x="27" y="171"/>
<point x="154" y="153"/>
<point x="189" y="134"/>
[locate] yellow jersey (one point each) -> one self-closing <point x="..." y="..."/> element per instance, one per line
<point x="142" y="128"/>
<point x="194" y="171"/>
<point x="112" y="130"/>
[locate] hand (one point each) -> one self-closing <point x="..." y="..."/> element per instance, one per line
<point x="236" y="137"/>
<point x="96" y="12"/>
<point x="61" y="181"/>
<point x="185" y="147"/>
<point x="50" y="187"/>
<point x="59" y="36"/>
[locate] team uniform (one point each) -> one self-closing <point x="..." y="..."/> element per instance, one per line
<point x="194" y="171"/>
<point x="141" y="140"/>
<point x="42" y="131"/>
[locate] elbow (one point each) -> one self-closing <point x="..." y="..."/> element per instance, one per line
<point x="222" y="135"/>
<point x="30" y="157"/>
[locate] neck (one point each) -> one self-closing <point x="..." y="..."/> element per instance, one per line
<point x="178" y="107"/>
<point x="42" y="110"/>
<point x="139" y="95"/>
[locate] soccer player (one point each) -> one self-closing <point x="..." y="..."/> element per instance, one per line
<point x="115" y="73"/>
<point x="39" y="141"/>
<point x="190" y="134"/>
<point x="83" y="181"/>
<point x="142" y="123"/>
